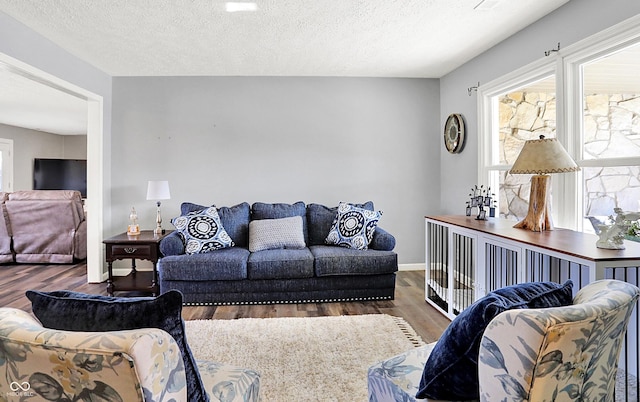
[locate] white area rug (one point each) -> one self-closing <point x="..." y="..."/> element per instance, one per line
<point x="304" y="359"/>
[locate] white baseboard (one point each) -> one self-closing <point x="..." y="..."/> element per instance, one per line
<point x="412" y="267"/>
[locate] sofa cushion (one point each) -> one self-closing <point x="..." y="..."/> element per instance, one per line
<point x="320" y="218"/>
<point x="454" y="359"/>
<point x="261" y="210"/>
<point x="280" y="264"/>
<point x="202" y="231"/>
<point x="73" y="311"/>
<point x="269" y="234"/>
<point x="235" y="220"/>
<point x="187" y="207"/>
<point x="224" y="265"/>
<point x="353" y="227"/>
<point x="332" y="260"/>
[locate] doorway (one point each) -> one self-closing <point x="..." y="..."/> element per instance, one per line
<point x="95" y="169"/>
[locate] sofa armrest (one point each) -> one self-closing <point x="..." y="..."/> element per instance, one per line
<point x="80" y="241"/>
<point x="382" y="240"/>
<point x="172" y="244"/>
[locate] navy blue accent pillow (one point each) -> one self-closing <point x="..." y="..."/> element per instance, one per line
<point x="451" y="372"/>
<point x="73" y="311"/>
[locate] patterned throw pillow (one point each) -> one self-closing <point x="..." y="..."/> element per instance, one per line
<point x="353" y="227"/>
<point x="202" y="231"/>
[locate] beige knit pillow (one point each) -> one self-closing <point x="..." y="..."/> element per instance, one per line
<point x="268" y="234"/>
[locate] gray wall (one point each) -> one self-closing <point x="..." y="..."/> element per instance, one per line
<point x="226" y="140"/>
<point x="30" y="144"/>
<point x="569" y="24"/>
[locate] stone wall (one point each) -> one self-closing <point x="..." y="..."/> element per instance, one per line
<point x="523" y="116"/>
<point x="611" y="129"/>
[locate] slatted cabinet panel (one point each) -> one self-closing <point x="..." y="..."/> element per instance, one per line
<point x="467" y="258"/>
<point x="450" y="274"/>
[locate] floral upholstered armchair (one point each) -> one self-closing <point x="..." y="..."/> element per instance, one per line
<point x="577" y="347"/>
<point x="558" y="354"/>
<point x="40" y="364"/>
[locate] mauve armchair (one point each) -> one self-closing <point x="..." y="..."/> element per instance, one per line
<point x="46" y="226"/>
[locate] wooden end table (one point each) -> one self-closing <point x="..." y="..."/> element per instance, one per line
<point x="145" y="246"/>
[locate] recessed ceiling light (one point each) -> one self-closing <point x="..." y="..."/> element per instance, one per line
<point x="236" y="6"/>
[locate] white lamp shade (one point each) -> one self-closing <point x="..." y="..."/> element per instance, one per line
<point x="543" y="156"/>
<point x="158" y="190"/>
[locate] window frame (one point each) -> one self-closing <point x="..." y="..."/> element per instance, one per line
<point x="487" y="103"/>
<point x="600" y="45"/>
<point x="568" y="197"/>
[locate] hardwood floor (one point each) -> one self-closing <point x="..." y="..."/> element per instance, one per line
<point x="409" y="298"/>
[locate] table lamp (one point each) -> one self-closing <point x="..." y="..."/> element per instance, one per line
<point x="540" y="157"/>
<point x="158" y="190"/>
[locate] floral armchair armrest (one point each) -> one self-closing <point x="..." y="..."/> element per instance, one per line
<point x="133" y="365"/>
<point x="224" y="382"/>
<point x="559" y="353"/>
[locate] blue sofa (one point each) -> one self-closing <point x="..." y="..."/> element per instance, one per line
<point x="315" y="273"/>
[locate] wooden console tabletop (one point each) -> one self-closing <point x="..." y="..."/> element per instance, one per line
<point x="565" y="241"/>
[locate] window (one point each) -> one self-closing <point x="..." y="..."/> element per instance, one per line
<point x="588" y="97"/>
<point x="610" y="143"/>
<point x="6" y="165"/>
<point x="522" y="109"/>
<point x="522" y="114"/>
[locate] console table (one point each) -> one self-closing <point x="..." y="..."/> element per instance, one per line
<point x="145" y="246"/>
<point x="477" y="256"/>
<point x="466" y="258"/>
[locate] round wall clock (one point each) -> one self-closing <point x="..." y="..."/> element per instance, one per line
<point x="454" y="133"/>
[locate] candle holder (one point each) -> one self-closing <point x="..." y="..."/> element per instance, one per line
<point x="133" y="229"/>
<point x="483" y="199"/>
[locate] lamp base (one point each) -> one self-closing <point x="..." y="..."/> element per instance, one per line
<point x="538" y="217"/>
<point x="158" y="230"/>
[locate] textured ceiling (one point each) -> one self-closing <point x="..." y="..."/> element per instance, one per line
<point x="347" y="38"/>
<point x="372" y="38"/>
